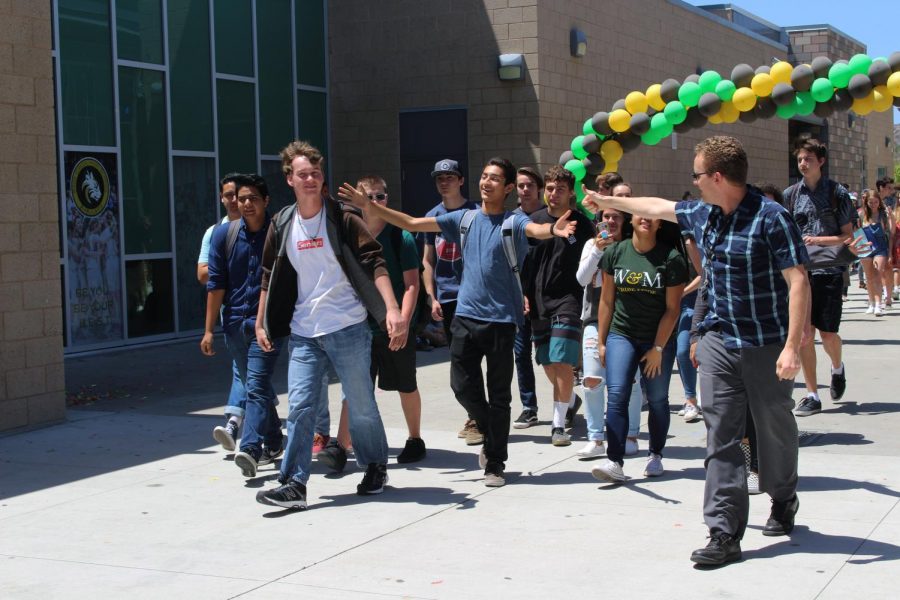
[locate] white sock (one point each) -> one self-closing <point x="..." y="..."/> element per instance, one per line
<point x="236" y="420"/>
<point x="559" y="414"/>
<point x="572" y="400"/>
<point x="838" y="371"/>
<point x="814" y="395"/>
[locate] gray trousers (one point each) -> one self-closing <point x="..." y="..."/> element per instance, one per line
<point x="730" y="381"/>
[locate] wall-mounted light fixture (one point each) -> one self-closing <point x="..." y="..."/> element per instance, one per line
<point x="577" y="43"/>
<point x="511" y="67"/>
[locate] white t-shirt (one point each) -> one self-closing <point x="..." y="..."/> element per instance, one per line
<point x="326" y="302"/>
<point x="207" y="239"/>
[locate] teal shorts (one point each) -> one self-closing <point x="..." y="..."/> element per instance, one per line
<point x="560" y="343"/>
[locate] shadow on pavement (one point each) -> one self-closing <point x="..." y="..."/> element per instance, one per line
<point x="805" y="541"/>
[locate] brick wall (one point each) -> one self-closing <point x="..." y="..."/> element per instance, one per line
<point x="31" y="349"/>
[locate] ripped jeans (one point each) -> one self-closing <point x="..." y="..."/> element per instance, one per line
<point x="594" y="390"/>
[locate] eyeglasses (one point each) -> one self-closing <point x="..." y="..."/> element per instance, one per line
<point x="229" y="195"/>
<point x="696" y="176"/>
<point x="380" y="196"/>
<point x="249" y="198"/>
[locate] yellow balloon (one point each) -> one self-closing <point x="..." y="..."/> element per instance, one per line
<point x="636" y="102"/>
<point x="882" y="99"/>
<point x="863" y="106"/>
<point x="893" y="84"/>
<point x="729" y="112"/>
<point x="716" y="119"/>
<point x="762" y="84"/>
<point x="620" y="120"/>
<point x="653" y="98"/>
<point x="744" y="99"/>
<point x="610" y="167"/>
<point x="781" y="72"/>
<point x="611" y="151"/>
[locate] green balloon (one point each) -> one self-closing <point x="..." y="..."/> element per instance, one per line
<point x="822" y="90"/>
<point x="860" y="64"/>
<point x="675" y="113"/>
<point x="787" y="111"/>
<point x="689" y="93"/>
<point x="839" y="75"/>
<point x="588" y="128"/>
<point x="804" y="103"/>
<point x="725" y="90"/>
<point x="650" y="139"/>
<point x="576" y="168"/>
<point x="578" y="148"/>
<point x="660" y="126"/>
<point x="709" y="80"/>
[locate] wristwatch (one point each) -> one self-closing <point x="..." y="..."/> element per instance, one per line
<point x="658" y="349"/>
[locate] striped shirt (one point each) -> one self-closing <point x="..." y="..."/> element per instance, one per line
<point x="743" y="256"/>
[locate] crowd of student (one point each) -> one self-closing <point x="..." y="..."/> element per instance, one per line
<point x="614" y="301"/>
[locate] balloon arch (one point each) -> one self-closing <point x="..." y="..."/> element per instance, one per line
<point x="861" y="84"/>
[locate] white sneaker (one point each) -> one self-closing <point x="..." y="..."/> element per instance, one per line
<point x="753" y="483"/>
<point x="482" y="459"/>
<point x="592" y="449"/>
<point x="609" y="472"/>
<point x="631" y="447"/>
<point x="871" y="309"/>
<point x="654" y="466"/>
<point x="879" y="312"/>
<point x="691" y="413"/>
<point x="681" y="411"/>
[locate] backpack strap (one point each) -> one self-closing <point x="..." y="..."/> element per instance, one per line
<point x="509" y="248"/>
<point x="793" y="192"/>
<point x="464" y="225"/>
<point x="231" y="237"/>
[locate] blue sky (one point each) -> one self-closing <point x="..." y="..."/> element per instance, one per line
<point x="876" y="23"/>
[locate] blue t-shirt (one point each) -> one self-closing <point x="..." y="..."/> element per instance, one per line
<point x="488" y="291"/>
<point x="448" y="261"/>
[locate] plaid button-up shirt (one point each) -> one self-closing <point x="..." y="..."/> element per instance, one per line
<point x="743" y="256"/>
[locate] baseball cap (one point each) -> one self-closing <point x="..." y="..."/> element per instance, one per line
<point x="446" y="166"/>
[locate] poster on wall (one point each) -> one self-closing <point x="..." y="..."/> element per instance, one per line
<point x="93" y="268"/>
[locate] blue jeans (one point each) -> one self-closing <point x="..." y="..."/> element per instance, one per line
<point x="255" y="368"/>
<point x="686" y="369"/>
<point x="594" y="397"/>
<point x="237" y="397"/>
<point x="622" y="361"/>
<point x="349" y="352"/>
<point x="525" y="366"/>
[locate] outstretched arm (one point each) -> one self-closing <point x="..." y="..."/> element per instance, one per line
<point x="544" y="231"/>
<point x="358" y="198"/>
<point x="651" y="208"/>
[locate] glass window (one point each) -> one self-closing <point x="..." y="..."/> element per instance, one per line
<point x="276" y="97"/>
<point x="280" y="194"/>
<point x="310" y="17"/>
<point x="190" y="75"/>
<point x="234" y="37"/>
<point x="145" y="173"/>
<point x="149" y="287"/>
<point x="237" y="126"/>
<point x="196" y="195"/>
<point x="312" y="118"/>
<point x="139" y="30"/>
<point x="85" y="50"/>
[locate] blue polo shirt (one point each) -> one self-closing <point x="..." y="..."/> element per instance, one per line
<point x="240" y="275"/>
<point x="743" y="256"/>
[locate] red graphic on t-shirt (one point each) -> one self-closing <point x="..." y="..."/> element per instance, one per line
<point x="310" y="244"/>
<point x="447" y="250"/>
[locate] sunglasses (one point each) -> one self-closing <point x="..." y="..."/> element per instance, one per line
<point x="380" y="196"/>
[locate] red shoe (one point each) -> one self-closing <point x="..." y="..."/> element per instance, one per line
<point x="319" y="442"/>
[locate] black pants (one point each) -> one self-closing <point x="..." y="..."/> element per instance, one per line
<point x="448" y="309"/>
<point x="473" y="341"/>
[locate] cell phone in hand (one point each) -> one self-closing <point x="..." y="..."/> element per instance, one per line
<point x="603" y="229"/>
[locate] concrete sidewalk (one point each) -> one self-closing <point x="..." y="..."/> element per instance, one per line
<point x="132" y="498"/>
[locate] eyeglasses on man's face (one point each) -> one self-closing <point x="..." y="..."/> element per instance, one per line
<point x="379" y="196"/>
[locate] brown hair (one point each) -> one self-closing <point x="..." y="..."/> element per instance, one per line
<point x="810" y="144"/>
<point x="609" y="180"/>
<point x="867" y="216"/>
<point x="533" y="174"/>
<point x="300" y="148"/>
<point x="370" y="180"/>
<point x="559" y="173"/>
<point x="724" y="154"/>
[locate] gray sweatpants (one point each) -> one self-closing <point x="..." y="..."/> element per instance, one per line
<point x="730" y="380"/>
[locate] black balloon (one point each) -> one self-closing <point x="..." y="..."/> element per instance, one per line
<point x="802" y="77"/>
<point x="765" y="108"/>
<point x="894" y="62"/>
<point x="600" y="123"/>
<point x="897" y="101"/>
<point x="879" y="72"/>
<point x="843" y="61"/>
<point x="748" y="117"/>
<point x="668" y="90"/>
<point x="640" y="123"/>
<point x="619" y="104"/>
<point x="709" y="104"/>
<point x="682" y="127"/>
<point x="566" y="157"/>
<point x="762" y="69"/>
<point x="820" y="66"/>
<point x="859" y="86"/>
<point x="741" y="75"/>
<point x="824" y="109"/>
<point x="593" y="164"/>
<point x="696" y="119"/>
<point x="693" y="77"/>
<point x="783" y="94"/>
<point x="628" y="140"/>
<point x="842" y="100"/>
<point x="590" y="143"/>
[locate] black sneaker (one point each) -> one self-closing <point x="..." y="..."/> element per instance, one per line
<point x="333" y="456"/>
<point x="781" y="519"/>
<point x="808" y="406"/>
<point x="290" y="495"/>
<point x="526" y="419"/>
<point x="270" y="455"/>
<point x="414" y="451"/>
<point x="572" y="411"/>
<point x="247" y="461"/>
<point x="838" y="383"/>
<point x="721" y="549"/>
<point x="374" y="480"/>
